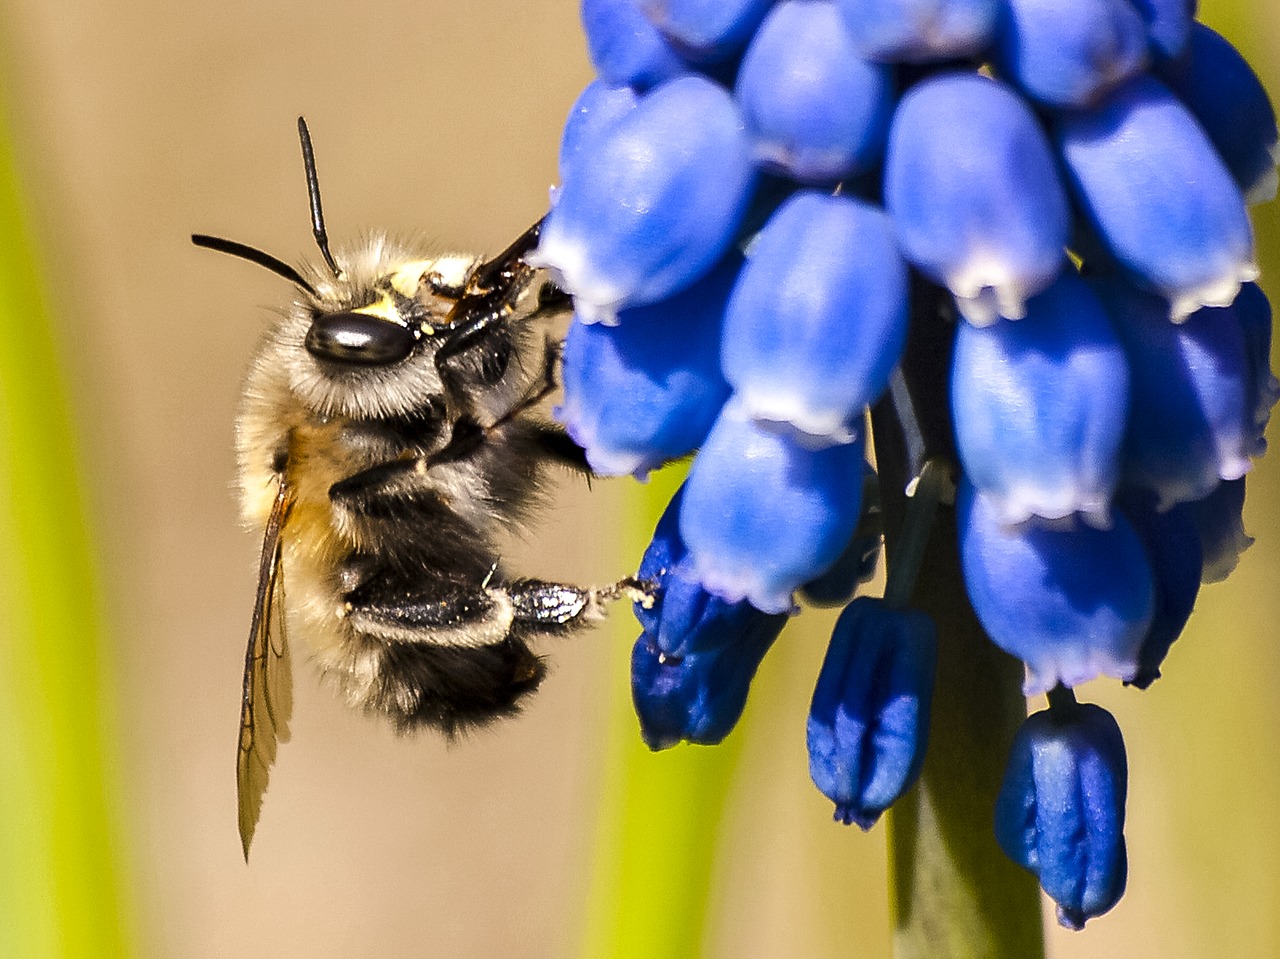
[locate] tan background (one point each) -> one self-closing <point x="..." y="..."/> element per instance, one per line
<point x="140" y="122"/>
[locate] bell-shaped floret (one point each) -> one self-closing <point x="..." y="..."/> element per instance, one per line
<point x="1173" y="548"/>
<point x="597" y="108"/>
<point x="918" y="31"/>
<point x="1069" y="54"/>
<point x="974" y="193"/>
<point x="707" y="30"/>
<point x="763" y="515"/>
<point x="818" y="318"/>
<point x="1159" y="196"/>
<point x="1219" y="519"/>
<point x="647" y="390"/>
<point x="1072" y="603"/>
<point x="869" y="722"/>
<point x="1040" y="407"/>
<point x="658" y="204"/>
<point x="1060" y="812"/>
<point x="1191" y="416"/>
<point x="816" y="112"/>
<point x="625" y="48"/>
<point x="693" y="665"/>
<point x="1220" y="88"/>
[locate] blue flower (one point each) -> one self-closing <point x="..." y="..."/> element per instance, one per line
<point x="625" y="48"/>
<point x="793" y="350"/>
<point x="1060" y="812"/>
<point x="1040" y="407"/>
<point x="597" y="108"/>
<point x="815" y="111"/>
<point x="869" y="721"/>
<point x="973" y="190"/>
<point x="1072" y="603"/>
<point x="658" y="205"/>
<point x="920" y="30"/>
<point x="1159" y="196"/>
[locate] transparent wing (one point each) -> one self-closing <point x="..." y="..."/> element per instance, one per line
<point x="267" y="699"/>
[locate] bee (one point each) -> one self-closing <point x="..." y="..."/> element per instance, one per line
<point x="385" y="439"/>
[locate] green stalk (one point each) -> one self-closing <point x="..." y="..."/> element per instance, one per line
<point x="659" y="813"/>
<point x="954" y="894"/>
<point x="58" y="883"/>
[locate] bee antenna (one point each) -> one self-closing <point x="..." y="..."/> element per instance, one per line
<point x="254" y="255"/>
<point x="313" y="195"/>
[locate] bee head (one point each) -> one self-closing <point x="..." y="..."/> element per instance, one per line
<point x="359" y="338"/>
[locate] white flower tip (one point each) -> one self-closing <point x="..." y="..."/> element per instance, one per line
<point x="786" y="414"/>
<point x="1220" y="291"/>
<point x="1073" y="665"/>
<point x="737" y="585"/>
<point x="986" y="290"/>
<point x="594" y="300"/>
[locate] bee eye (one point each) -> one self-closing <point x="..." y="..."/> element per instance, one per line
<point x="358" y="338"/>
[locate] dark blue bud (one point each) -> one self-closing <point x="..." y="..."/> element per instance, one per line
<point x="625" y="48"/>
<point x="597" y="108"/>
<point x="1060" y="812"/>
<point x="918" y="31"/>
<point x="1253" y="310"/>
<point x="818" y="319"/>
<point x="816" y="112"/>
<point x="1072" y="603"/>
<point x="647" y="390"/>
<point x="1159" y="196"/>
<point x="1220" y="88"/>
<point x="1169" y="24"/>
<point x="869" y="722"/>
<point x="656" y="206"/>
<point x="1173" y="548"/>
<point x="1219" y="519"/>
<point x="1069" y="54"/>
<point x="980" y="210"/>
<point x="692" y="667"/>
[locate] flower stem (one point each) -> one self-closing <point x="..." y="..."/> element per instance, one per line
<point x="955" y="895"/>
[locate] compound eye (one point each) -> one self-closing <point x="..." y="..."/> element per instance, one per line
<point x="358" y="338"/>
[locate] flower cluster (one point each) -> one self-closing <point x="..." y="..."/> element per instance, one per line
<point x="753" y="195"/>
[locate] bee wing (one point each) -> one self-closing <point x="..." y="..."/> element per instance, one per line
<point x="267" y="699"/>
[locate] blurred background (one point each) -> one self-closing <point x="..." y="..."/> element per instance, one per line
<point x="134" y="125"/>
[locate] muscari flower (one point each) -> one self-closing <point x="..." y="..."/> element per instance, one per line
<point x="1103" y="158"/>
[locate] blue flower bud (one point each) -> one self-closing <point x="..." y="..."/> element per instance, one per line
<point x="633" y="399"/>
<point x="1060" y="812"/>
<point x="762" y="515"/>
<point x="1219" y="520"/>
<point x="920" y="30"/>
<point x="625" y="48"/>
<point x="1040" y="407"/>
<point x="816" y="112"/>
<point x="1220" y="88"/>
<point x="818" y="318"/>
<point x="1191" y="416"/>
<point x="1173" y="547"/>
<point x="1159" y="196"/>
<point x="1072" y="603"/>
<point x="657" y="205"/>
<point x="707" y="30"/>
<point x="1169" y="24"/>
<point x="693" y="665"/>
<point x="869" y="722"/>
<point x="980" y="210"/>
<point x="597" y="108"/>
<point x="1069" y="54"/>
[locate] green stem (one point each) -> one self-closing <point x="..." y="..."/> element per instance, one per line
<point x="954" y="893"/>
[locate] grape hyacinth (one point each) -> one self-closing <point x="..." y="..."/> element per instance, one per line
<point x="1018" y="235"/>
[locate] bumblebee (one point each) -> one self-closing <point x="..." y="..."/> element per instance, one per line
<point x="385" y="440"/>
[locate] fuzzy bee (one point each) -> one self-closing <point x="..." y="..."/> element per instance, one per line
<point x="384" y="441"/>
